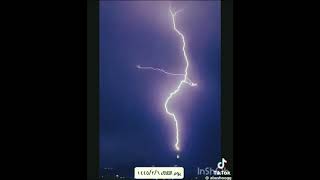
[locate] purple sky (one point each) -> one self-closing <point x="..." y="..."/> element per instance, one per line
<point x="134" y="128"/>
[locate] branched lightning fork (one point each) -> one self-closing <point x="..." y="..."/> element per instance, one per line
<point x="165" y="72"/>
<point x="158" y="69"/>
<point x="185" y="80"/>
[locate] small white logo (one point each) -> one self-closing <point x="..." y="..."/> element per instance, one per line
<point x="216" y="173"/>
<point x="221" y="164"/>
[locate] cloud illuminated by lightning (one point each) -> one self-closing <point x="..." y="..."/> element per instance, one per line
<point x="185" y="79"/>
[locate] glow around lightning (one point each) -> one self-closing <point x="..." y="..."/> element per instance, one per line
<point x="185" y="79"/>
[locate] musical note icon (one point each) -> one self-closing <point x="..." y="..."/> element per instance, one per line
<point x="221" y="164"/>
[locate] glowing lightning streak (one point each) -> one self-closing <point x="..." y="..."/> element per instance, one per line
<point x="165" y="72"/>
<point x="186" y="80"/>
<point x="157" y="69"/>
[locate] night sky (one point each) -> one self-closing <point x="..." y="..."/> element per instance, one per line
<point x="134" y="128"/>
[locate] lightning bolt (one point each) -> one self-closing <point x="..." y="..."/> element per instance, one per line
<point x="160" y="70"/>
<point x="165" y="72"/>
<point x="185" y="79"/>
